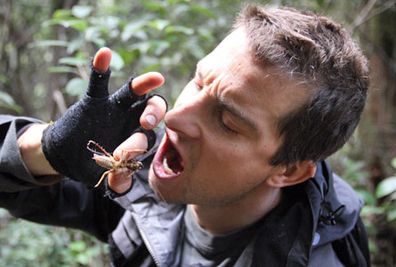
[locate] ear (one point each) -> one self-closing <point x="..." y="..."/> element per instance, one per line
<point x="292" y="174"/>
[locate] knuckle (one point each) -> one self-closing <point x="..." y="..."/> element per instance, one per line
<point x="157" y="102"/>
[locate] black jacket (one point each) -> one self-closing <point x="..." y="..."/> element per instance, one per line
<point x="318" y="224"/>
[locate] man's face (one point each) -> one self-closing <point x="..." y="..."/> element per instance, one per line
<point x="222" y="131"/>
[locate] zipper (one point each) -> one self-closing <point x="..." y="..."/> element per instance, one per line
<point x="145" y="240"/>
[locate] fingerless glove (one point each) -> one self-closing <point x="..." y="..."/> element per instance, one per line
<point x="106" y="119"/>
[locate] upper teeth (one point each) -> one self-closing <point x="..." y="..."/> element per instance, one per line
<point x="167" y="169"/>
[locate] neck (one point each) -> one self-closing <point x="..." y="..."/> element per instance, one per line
<point x="230" y="217"/>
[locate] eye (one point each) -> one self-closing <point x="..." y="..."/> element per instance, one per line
<point x="226" y="123"/>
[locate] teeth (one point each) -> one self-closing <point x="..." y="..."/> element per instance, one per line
<point x="166" y="167"/>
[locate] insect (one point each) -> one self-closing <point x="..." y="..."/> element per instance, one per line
<point x="106" y="160"/>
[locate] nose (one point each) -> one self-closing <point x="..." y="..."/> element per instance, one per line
<point x="185" y="119"/>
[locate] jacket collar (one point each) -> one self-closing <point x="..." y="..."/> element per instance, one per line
<point x="338" y="208"/>
<point x="316" y="212"/>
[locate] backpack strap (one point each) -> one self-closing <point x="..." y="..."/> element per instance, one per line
<point x="352" y="250"/>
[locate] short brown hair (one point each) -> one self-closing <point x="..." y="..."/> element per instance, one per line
<point x="322" y="53"/>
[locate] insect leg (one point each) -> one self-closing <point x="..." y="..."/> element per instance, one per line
<point x="96" y="148"/>
<point x="102" y="177"/>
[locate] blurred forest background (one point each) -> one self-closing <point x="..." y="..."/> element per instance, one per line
<point x="46" y="45"/>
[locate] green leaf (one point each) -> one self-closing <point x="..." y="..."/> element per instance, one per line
<point x="77" y="246"/>
<point x="391" y="215"/>
<point x="77" y="24"/>
<point x="99" y="42"/>
<point x="8" y="102"/>
<point x="152" y="67"/>
<point x="92" y="33"/>
<point x="74" y="61"/>
<point x="154" y="6"/>
<point x="368" y="198"/>
<point x="6" y="98"/>
<point x="3" y="78"/>
<point x="202" y="10"/>
<point x="159" y="24"/>
<point x="179" y="29"/>
<point x="83" y="258"/>
<point x="372" y="210"/>
<point x="129" y="56"/>
<point x="76" y="87"/>
<point x="50" y="43"/>
<point x="158" y="46"/>
<point x="143" y="47"/>
<point x="110" y="22"/>
<point x="81" y="11"/>
<point x="75" y="45"/>
<point x="320" y="3"/>
<point x="61" y="69"/>
<point x="206" y="34"/>
<point x="393" y="163"/>
<point x="173" y="2"/>
<point x="62" y="14"/>
<point x="117" y="62"/>
<point x="386" y="187"/>
<point x="132" y="29"/>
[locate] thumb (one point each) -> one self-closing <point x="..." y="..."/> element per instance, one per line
<point x="102" y="59"/>
<point x="100" y="74"/>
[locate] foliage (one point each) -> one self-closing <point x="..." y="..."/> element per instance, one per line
<point x="386" y="192"/>
<point x="46" y="45"/>
<point x="23" y="243"/>
<point x="160" y="35"/>
<point x="7" y="101"/>
<point x="379" y="200"/>
<point x="144" y="36"/>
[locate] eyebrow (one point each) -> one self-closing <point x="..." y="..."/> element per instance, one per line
<point x="231" y="108"/>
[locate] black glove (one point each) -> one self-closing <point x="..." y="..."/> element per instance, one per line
<point x="107" y="120"/>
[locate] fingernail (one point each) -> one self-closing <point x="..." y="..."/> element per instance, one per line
<point x="151" y="119"/>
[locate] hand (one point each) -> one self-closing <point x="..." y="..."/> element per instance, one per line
<point x="121" y="181"/>
<point x="106" y="119"/>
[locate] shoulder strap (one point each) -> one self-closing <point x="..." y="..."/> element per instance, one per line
<point x="352" y="250"/>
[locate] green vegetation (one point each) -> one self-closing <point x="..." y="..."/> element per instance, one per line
<point x="45" y="46"/>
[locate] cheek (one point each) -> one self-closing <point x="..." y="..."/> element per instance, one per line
<point x="227" y="183"/>
<point x="231" y="168"/>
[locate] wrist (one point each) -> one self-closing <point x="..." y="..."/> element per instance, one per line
<point x="29" y="144"/>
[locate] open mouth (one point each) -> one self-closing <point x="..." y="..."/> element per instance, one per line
<point x="168" y="162"/>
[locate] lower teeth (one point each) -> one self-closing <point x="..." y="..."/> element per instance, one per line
<point x="166" y="167"/>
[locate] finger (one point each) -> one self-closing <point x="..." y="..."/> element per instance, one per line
<point x="154" y="113"/>
<point x="119" y="181"/>
<point x="135" y="145"/>
<point x="126" y="96"/>
<point x="100" y="74"/>
<point x="102" y="59"/>
<point x="151" y="137"/>
<point x="147" y="82"/>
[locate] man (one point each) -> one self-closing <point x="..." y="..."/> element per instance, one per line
<point x="238" y="178"/>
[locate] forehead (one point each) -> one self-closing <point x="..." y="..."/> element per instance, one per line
<point x="259" y="90"/>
